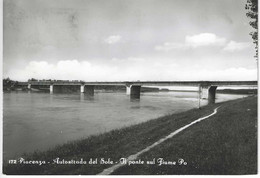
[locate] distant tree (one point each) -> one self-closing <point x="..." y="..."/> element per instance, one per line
<point x="9" y="84"/>
<point x="252" y="13"/>
<point x="6" y="80"/>
<point x="33" y="79"/>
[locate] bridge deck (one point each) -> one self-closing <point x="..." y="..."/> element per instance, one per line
<point x="148" y="83"/>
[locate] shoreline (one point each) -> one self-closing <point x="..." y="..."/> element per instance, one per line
<point x="116" y="144"/>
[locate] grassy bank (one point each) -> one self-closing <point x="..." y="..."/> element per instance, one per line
<point x="227" y="140"/>
<point x="226" y="143"/>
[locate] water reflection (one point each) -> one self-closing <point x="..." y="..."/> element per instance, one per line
<point x="134" y="99"/>
<point x="84" y="96"/>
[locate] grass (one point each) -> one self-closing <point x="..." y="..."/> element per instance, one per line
<point x="223" y="144"/>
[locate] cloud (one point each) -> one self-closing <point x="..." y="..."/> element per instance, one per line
<point x="113" y="39"/>
<point x="235" y="73"/>
<point x="170" y="46"/>
<point x="194" y="41"/>
<point x="129" y="70"/>
<point x="204" y="39"/>
<point x="64" y="70"/>
<point x="129" y="59"/>
<point x="236" y="46"/>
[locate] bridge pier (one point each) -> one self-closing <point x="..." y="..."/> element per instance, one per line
<point x="51" y="89"/>
<point x="204" y="92"/>
<point x="134" y="91"/>
<point x="128" y="90"/>
<point x="208" y="92"/>
<point x="88" y="89"/>
<point x="212" y="94"/>
<point x="29" y="86"/>
<point x="82" y="87"/>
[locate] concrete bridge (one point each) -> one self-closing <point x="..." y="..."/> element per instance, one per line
<point x="206" y="89"/>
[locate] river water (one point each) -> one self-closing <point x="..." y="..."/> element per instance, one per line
<point x="39" y="121"/>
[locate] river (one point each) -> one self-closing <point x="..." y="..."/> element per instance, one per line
<point x="39" y="121"/>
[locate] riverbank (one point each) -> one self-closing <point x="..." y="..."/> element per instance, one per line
<point x="238" y="91"/>
<point x="225" y="144"/>
<point x="209" y="147"/>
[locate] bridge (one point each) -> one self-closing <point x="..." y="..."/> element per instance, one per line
<point x="206" y="89"/>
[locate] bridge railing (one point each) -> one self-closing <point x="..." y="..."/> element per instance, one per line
<point x="146" y="83"/>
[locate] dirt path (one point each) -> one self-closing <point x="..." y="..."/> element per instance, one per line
<point x="134" y="156"/>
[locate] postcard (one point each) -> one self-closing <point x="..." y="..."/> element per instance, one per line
<point x="130" y="87"/>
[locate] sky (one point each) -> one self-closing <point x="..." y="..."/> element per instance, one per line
<point x="127" y="40"/>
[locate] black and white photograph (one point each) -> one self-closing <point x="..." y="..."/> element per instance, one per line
<point x="129" y="87"/>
